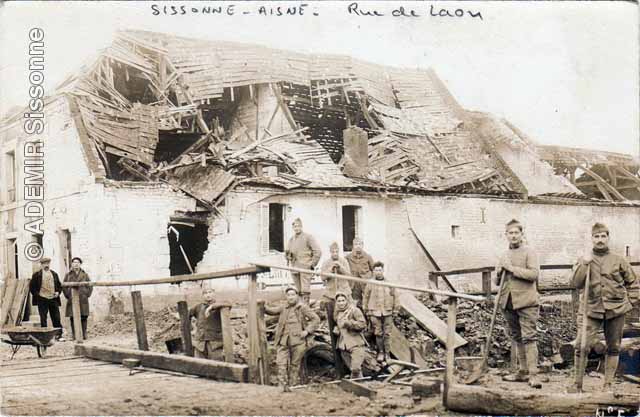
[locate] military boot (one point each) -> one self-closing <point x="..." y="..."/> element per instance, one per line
<point x="522" y="374"/>
<point x="531" y="350"/>
<point x="610" y="367"/>
<point x="355" y="374"/>
<point x="380" y="348"/>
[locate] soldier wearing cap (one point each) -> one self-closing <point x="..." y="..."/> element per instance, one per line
<point x="519" y="302"/>
<point x="296" y="322"/>
<point x="77" y="274"/>
<point x="613" y="288"/>
<point x="335" y="265"/>
<point x="45" y="288"/>
<point x="302" y="252"/>
<point x="350" y="325"/>
<point x="361" y="264"/>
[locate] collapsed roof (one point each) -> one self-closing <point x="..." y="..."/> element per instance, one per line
<point x="206" y="116"/>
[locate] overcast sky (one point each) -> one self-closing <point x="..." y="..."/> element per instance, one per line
<point x="564" y="72"/>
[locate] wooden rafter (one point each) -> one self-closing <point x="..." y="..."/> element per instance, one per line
<point x="604" y="186"/>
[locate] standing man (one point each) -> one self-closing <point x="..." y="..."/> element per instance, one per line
<point x="350" y="327"/>
<point x="335" y="265"/>
<point x="613" y="288"/>
<point x="519" y="302"/>
<point x="361" y="264"/>
<point x="77" y="274"/>
<point x="296" y="322"/>
<point x="381" y="304"/>
<point x="302" y="252"/>
<point x="45" y="289"/>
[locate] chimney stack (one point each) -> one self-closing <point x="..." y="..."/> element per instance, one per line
<point x="356" y="152"/>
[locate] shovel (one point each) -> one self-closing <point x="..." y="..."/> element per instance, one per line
<point x="480" y="371"/>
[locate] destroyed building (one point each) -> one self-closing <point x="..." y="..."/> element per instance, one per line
<point x="166" y="155"/>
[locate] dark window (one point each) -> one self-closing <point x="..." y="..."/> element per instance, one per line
<point x="455" y="232"/>
<point x="187" y="245"/>
<point x="350" y="226"/>
<point x="276" y="227"/>
<point x="11" y="174"/>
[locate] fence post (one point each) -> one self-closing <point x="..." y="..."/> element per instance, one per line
<point x="451" y="342"/>
<point x="185" y="328"/>
<point x="227" y="333"/>
<point x="486" y="284"/>
<point x="77" y="319"/>
<point x="138" y="313"/>
<point x="252" y="324"/>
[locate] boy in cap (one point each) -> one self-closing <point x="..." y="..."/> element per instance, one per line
<point x="613" y="288"/>
<point x="519" y="302"/>
<point x="296" y="322"/>
<point x="302" y="252"/>
<point x="380" y="303"/>
<point x="77" y="274"/>
<point x="207" y="342"/>
<point x="350" y="325"/>
<point x="45" y="289"/>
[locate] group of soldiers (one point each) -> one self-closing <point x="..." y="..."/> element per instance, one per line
<point x="612" y="291"/>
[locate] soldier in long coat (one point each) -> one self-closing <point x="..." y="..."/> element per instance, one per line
<point x="77" y="274"/>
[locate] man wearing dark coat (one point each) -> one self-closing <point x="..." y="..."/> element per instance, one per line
<point x="45" y="289"/>
<point x="77" y="274"/>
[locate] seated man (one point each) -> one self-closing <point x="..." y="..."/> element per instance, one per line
<point x="350" y="327"/>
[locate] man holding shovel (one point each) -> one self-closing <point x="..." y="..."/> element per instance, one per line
<point x="612" y="289"/>
<point x="519" y="302"/>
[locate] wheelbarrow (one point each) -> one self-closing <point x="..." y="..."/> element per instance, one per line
<point x="40" y="337"/>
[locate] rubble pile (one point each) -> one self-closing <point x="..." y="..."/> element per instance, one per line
<point x="555" y="327"/>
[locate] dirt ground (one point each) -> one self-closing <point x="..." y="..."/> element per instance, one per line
<point x="61" y="384"/>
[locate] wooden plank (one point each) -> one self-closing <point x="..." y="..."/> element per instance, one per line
<point x="138" y="313"/>
<point x="176" y="279"/>
<point x="17" y="301"/>
<point x="227" y="333"/>
<point x="451" y="334"/>
<point x="358" y="389"/>
<point x="401" y="349"/>
<point x="486" y="283"/>
<point x="497" y="401"/>
<point x="51" y="370"/>
<point x="185" y="328"/>
<point x="252" y="325"/>
<point x="193" y="366"/>
<point x="428" y="319"/>
<point x="75" y="310"/>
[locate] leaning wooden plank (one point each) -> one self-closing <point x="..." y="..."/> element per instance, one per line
<point x="358" y="389"/>
<point x="479" y="400"/>
<point x="22" y="288"/>
<point x="192" y="366"/>
<point x="8" y="300"/>
<point x="428" y="319"/>
<point x="401" y="349"/>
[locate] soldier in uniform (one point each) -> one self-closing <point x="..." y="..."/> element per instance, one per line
<point x="519" y="302"/>
<point x="296" y="322"/>
<point x="302" y="252"/>
<point x="335" y="265"/>
<point x="613" y="288"/>
<point x="380" y="303"/>
<point x="361" y="265"/>
<point x="350" y="325"/>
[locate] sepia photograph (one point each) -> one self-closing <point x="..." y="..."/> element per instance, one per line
<point x="283" y="208"/>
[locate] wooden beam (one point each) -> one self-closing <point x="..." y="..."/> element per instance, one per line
<point x="77" y="319"/>
<point x="401" y="349"/>
<point x="358" y="389"/>
<point x="227" y="333"/>
<point x="603" y="183"/>
<point x="372" y="282"/>
<point x="626" y="174"/>
<point x="193" y="366"/>
<point x="185" y="328"/>
<point x="481" y="401"/>
<point x="429" y="320"/>
<point x="138" y="313"/>
<point x="486" y="283"/>
<point x="612" y="176"/>
<point x="176" y="279"/>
